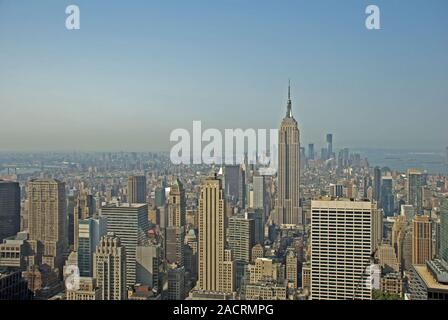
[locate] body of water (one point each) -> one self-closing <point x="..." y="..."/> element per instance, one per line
<point x="434" y="162"/>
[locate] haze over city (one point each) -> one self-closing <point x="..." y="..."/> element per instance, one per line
<point x="133" y="73"/>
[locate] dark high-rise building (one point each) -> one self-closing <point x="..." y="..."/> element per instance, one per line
<point x="9" y="209"/>
<point x="387" y="196"/>
<point x="259" y="220"/>
<point x="366" y="184"/>
<point x="302" y="159"/>
<point x="90" y="232"/>
<point x="13" y="286"/>
<point x="176" y="283"/>
<point x="174" y="245"/>
<point x="137" y="189"/>
<point x="234" y="184"/>
<point x="71" y="203"/>
<point x="311" y="151"/>
<point x="160" y="197"/>
<point x="329" y="146"/>
<point x="377" y="184"/>
<point x="414" y="190"/>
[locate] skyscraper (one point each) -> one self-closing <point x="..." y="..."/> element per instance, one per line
<point x="311" y="151"/>
<point x="387" y="196"/>
<point x="9" y="209"/>
<point x="160" y="197"/>
<point x="137" y="189"/>
<point x="175" y="230"/>
<point x="344" y="234"/>
<point x="241" y="230"/>
<point x="211" y="237"/>
<point x="176" y="205"/>
<point x="47" y="220"/>
<point x="302" y="158"/>
<point x="109" y="265"/>
<point x="329" y="146"/>
<point x="421" y="239"/>
<point x="443" y="245"/>
<point x="148" y="263"/>
<point x="402" y="240"/>
<point x="259" y="221"/>
<point x="259" y="192"/>
<point x="174" y="245"/>
<point x="414" y="190"/>
<point x="377" y="184"/>
<point x="90" y="232"/>
<point x="84" y="209"/>
<point x="234" y="181"/>
<point x="129" y="222"/>
<point x="287" y="209"/>
<point x="291" y="268"/>
<point x="176" y="283"/>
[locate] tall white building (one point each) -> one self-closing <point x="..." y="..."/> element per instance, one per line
<point x="109" y="268"/>
<point x="215" y="270"/>
<point x="344" y="235"/>
<point x="130" y="223"/>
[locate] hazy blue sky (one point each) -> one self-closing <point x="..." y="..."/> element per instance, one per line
<point x="138" y="69"/>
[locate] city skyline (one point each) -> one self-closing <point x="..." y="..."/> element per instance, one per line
<point x="157" y="67"/>
<point x="287" y="151"/>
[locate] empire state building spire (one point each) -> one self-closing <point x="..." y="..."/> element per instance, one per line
<point x="288" y="109"/>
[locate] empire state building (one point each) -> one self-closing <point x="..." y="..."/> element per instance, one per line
<point x="287" y="208"/>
